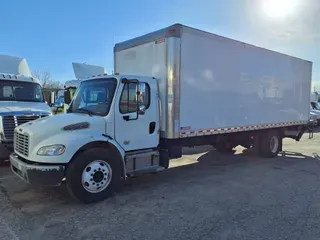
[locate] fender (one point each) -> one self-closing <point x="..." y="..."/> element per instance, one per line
<point x="106" y="142"/>
<point x="73" y="141"/>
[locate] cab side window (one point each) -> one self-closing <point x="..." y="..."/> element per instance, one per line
<point x="128" y="100"/>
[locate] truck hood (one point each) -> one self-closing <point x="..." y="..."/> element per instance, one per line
<point x="43" y="128"/>
<point x="25" y="107"/>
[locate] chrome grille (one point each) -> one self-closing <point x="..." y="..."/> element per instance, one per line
<point x="21" y="143"/>
<point x="11" y="122"/>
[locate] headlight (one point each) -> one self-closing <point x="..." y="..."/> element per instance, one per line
<point x="52" y="150"/>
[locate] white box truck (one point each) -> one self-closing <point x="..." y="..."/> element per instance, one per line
<point x="176" y="87"/>
<point x="21" y="100"/>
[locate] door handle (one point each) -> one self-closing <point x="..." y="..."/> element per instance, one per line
<point x="152" y="127"/>
<point x="127" y="117"/>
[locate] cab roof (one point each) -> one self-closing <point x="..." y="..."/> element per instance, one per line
<point x="16" y="77"/>
<point x="116" y="76"/>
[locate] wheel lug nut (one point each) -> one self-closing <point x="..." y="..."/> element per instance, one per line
<point x="91" y="179"/>
<point x="99" y="169"/>
<point x="105" y="179"/>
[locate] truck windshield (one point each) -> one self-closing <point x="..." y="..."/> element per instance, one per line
<point x="60" y="100"/>
<point x="20" y="91"/>
<point x="94" y="97"/>
<point x="315" y="105"/>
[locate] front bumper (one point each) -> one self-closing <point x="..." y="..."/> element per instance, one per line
<point x="33" y="173"/>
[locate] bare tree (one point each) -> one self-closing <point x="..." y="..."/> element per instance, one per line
<point x="47" y="83"/>
<point x="44" y="77"/>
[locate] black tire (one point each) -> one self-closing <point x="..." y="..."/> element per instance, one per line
<point x="4" y="156"/>
<point x="246" y="145"/>
<point x="267" y="148"/>
<point x="224" y="147"/>
<point x="80" y="163"/>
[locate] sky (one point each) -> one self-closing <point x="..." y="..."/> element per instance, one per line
<point x="53" y="34"/>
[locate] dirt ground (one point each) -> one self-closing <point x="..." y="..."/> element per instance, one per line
<point x="204" y="195"/>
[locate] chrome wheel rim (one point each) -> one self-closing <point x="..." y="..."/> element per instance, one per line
<point x="96" y="176"/>
<point x="274" y="144"/>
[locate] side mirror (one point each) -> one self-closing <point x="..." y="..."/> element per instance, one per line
<point x="67" y="98"/>
<point x="142" y="109"/>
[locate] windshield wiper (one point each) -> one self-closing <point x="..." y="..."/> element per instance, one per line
<point x="90" y="113"/>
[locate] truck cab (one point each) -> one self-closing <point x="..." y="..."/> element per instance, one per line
<point x="112" y="123"/>
<point x="21" y="101"/>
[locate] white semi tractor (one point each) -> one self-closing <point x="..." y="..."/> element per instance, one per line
<point x="173" y="90"/>
<point x="21" y="100"/>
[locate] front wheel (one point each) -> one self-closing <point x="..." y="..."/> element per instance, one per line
<point x="93" y="175"/>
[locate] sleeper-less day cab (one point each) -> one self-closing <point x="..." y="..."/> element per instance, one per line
<point x="177" y="87"/>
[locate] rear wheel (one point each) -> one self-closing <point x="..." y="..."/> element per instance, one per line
<point x="224" y="147"/>
<point x="270" y="144"/>
<point x="93" y="175"/>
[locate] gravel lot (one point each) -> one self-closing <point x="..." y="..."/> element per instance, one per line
<point x="204" y="195"/>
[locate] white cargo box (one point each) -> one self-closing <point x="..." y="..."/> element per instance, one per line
<point x="208" y="82"/>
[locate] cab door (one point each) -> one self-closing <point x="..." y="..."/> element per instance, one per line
<point x="137" y="114"/>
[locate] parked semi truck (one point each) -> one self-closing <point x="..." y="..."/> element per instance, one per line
<point x="21" y="100"/>
<point x="172" y="91"/>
